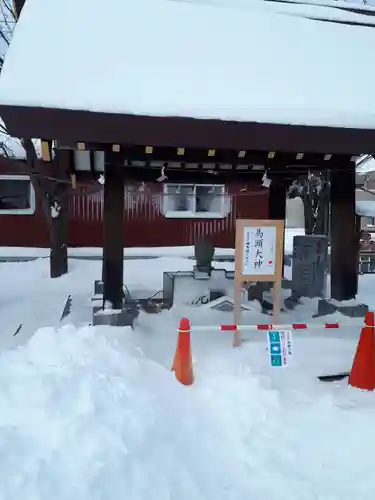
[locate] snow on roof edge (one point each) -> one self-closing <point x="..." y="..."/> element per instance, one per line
<point x="263" y="39"/>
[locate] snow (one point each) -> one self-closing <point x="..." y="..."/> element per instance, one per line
<point x="55" y="210"/>
<point x="11" y="147"/>
<point x="97" y="252"/>
<point x="201" y="57"/>
<point x="95" y="413"/>
<point x="366" y="166"/>
<point x="365" y="208"/>
<point x="150" y="252"/>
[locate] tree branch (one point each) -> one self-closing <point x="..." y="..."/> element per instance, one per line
<point x="9" y="8"/>
<point x="9" y="12"/>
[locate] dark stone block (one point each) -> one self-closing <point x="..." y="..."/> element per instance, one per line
<point x="325" y="307"/>
<point x="216" y="294"/>
<point x="286" y="284"/>
<point x="204" y="251"/>
<point x="291" y="302"/>
<point x="124" y="317"/>
<point x="255" y="292"/>
<point x="288" y="260"/>
<point x="353" y="311"/>
<point x="310" y="265"/>
<point x="202" y="272"/>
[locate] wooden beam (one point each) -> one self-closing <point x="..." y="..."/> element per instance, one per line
<point x="113" y="233"/>
<point x="344" y="241"/>
<point x="197" y="176"/>
<point x="46" y="147"/>
<point x="300" y="160"/>
<point x="182" y="132"/>
<point x="150" y="174"/>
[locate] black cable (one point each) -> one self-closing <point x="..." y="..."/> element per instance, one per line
<point x="147" y="298"/>
<point x="154" y="295"/>
<point x="238" y="179"/>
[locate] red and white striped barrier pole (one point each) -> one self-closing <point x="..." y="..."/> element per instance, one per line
<point x="263" y="327"/>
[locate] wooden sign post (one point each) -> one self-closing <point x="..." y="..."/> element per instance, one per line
<point x="258" y="257"/>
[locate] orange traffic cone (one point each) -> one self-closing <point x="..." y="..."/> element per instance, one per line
<point x="182" y="363"/>
<point x="362" y="374"/>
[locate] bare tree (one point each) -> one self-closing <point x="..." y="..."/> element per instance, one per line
<point x="53" y="192"/>
<point x="314" y="191"/>
<point x="8" y="20"/>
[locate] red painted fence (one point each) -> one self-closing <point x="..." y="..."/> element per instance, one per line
<point x="145" y="225"/>
<point x="144" y="222"/>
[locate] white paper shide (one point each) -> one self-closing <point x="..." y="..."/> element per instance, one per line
<point x="259" y="252"/>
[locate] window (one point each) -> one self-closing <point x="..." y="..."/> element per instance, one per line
<point x="17" y="195"/>
<point x="203" y="201"/>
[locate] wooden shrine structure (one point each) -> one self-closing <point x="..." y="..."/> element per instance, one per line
<point x="285" y="151"/>
<point x="130" y="142"/>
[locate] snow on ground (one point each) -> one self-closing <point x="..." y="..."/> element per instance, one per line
<point x="95" y="413"/>
<point x="183" y="251"/>
<point x="97" y="252"/>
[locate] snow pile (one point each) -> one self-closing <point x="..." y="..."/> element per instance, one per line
<point x="365" y="208"/>
<point x="83" y="414"/>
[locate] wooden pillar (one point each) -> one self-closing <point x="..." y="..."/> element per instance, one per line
<point x="277" y="199"/>
<point x="113" y="232"/>
<point x="277" y="202"/>
<point x="344" y="240"/>
<point x="55" y="198"/>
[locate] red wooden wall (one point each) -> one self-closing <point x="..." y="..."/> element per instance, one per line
<point x="144" y="222"/>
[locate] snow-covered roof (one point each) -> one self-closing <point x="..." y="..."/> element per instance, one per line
<point x="240" y="60"/>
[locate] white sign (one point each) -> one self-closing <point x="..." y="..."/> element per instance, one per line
<point x="259" y="252"/>
<point x="279" y="347"/>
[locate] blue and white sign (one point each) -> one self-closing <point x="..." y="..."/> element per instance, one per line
<point x="280" y="347"/>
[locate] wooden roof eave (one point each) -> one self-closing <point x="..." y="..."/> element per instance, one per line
<point x="77" y="125"/>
